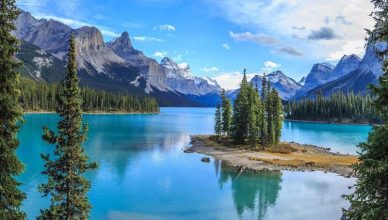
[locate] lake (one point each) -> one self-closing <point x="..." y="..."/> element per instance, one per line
<point x="143" y="173"/>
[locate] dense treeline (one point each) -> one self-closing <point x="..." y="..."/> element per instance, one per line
<point x="255" y="118"/>
<point x="339" y="107"/>
<point x="37" y="96"/>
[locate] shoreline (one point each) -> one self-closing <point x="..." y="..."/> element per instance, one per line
<point x="330" y="122"/>
<point x="306" y="158"/>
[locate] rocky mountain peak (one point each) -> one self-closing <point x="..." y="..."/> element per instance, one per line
<point x="322" y="67"/>
<point x="123" y="42"/>
<point x="350" y="57"/>
<point x="89" y="38"/>
<point x="167" y="61"/>
<point x="285" y="85"/>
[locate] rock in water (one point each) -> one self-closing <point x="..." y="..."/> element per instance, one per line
<point x="205" y="159"/>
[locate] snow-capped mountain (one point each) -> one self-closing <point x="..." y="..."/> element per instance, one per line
<point x="367" y="72"/>
<point x="347" y="64"/>
<point x="181" y="79"/>
<point x="319" y="75"/>
<point x="286" y="86"/>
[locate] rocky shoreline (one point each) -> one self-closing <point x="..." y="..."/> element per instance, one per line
<point x="305" y="157"/>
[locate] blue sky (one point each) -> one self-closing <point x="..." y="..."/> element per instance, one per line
<point x="218" y="38"/>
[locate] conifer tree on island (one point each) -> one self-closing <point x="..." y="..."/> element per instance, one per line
<point x="226" y="113"/>
<point x="217" y="125"/>
<point x="278" y="116"/>
<point x="240" y="113"/>
<point x="66" y="184"/>
<point x="256" y="120"/>
<point x="10" y="116"/>
<point x="370" y="198"/>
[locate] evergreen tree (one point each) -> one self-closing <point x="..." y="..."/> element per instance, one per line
<point x="226" y="113"/>
<point x="277" y="113"/>
<point x="263" y="116"/>
<point x="240" y="113"/>
<point x="270" y="117"/>
<point x="338" y="106"/>
<point x="40" y="96"/>
<point x="370" y="198"/>
<point x="218" y="122"/>
<point x="252" y="116"/>
<point x="66" y="184"/>
<point x="10" y="116"/>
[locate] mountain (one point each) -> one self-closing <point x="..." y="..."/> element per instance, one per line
<point x="367" y="72"/>
<point x="347" y="64"/>
<point x="114" y="66"/>
<point x="39" y="65"/>
<point x="319" y="74"/>
<point x="323" y="73"/>
<point x="286" y="86"/>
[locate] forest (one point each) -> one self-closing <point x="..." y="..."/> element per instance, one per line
<point x="338" y="107"/>
<point x="39" y="96"/>
<point x="254" y="118"/>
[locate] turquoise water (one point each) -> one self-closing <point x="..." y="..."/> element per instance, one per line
<point x="340" y="138"/>
<point x="143" y="173"/>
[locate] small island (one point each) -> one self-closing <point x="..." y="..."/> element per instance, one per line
<point x="284" y="156"/>
<point x="248" y="136"/>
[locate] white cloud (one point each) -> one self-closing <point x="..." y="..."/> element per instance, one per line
<point x="256" y="38"/>
<point x="231" y="80"/>
<point x="226" y="46"/>
<point x="160" y="54"/>
<point x="147" y="39"/>
<point x="165" y="27"/>
<point x="211" y="69"/>
<point x="270" y="66"/>
<point x="347" y="18"/>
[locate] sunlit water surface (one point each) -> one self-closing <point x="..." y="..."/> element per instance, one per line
<point x="143" y="173"/>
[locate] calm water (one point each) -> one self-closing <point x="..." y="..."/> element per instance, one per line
<point x="143" y="173"/>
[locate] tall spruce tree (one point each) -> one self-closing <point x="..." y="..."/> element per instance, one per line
<point x="226" y="113"/>
<point x="66" y="184"/>
<point x="240" y="113"/>
<point x="10" y="116"/>
<point x="370" y="198"/>
<point x="252" y="116"/>
<point x="218" y="121"/>
<point x="278" y="117"/>
<point x="263" y="115"/>
<point x="270" y="115"/>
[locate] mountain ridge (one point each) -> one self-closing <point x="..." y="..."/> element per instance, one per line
<point x="116" y="63"/>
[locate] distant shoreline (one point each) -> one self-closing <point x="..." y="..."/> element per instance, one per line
<point x="329" y="122"/>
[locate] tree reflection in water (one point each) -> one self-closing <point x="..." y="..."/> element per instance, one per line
<point x="252" y="192"/>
